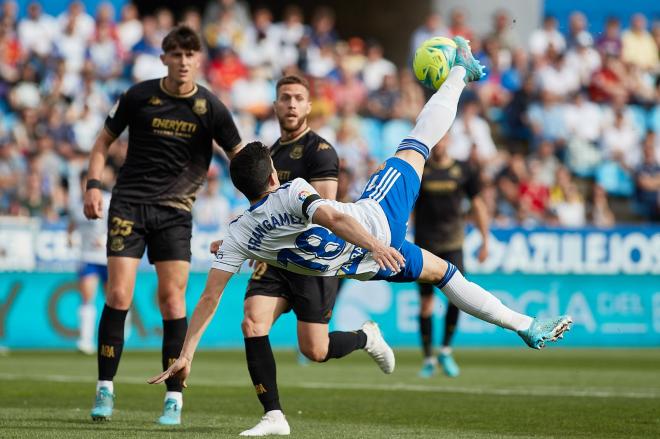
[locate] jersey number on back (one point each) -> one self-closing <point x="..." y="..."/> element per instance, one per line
<point x="316" y="241"/>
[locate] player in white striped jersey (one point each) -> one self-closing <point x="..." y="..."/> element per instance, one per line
<point x="365" y="239"/>
<point x="93" y="265"/>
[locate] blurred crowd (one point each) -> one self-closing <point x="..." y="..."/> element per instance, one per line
<point x="564" y="127"/>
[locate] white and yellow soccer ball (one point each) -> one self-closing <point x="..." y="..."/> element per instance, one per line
<point x="433" y="60"/>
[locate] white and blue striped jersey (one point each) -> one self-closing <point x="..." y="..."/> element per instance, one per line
<point x="278" y="230"/>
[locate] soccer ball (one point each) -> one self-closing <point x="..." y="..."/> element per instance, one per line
<point x="433" y="60"/>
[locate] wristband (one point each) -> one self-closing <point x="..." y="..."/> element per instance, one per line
<point x="93" y="184"/>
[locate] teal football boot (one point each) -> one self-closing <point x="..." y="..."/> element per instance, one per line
<point x="464" y="57"/>
<point x="544" y="330"/>
<point x="449" y="366"/>
<point x="105" y="401"/>
<point x="171" y="413"/>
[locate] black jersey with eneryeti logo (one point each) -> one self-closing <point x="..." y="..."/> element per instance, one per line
<point x="169" y="142"/>
<point x="438" y="214"/>
<point x="308" y="157"/>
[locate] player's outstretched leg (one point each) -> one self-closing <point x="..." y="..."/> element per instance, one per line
<point x="377" y="347"/>
<point x="476" y="301"/>
<point x="439" y="112"/>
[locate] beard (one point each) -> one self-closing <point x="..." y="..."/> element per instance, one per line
<point x="287" y="126"/>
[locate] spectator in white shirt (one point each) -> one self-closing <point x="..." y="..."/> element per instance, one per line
<point x="129" y="29"/>
<point x="558" y="77"/>
<point x="433" y="26"/>
<point x="37" y="30"/>
<point x="546" y="37"/>
<point x="376" y="68"/>
<point x="583" y="59"/>
<point x="620" y="142"/>
<point x="83" y="23"/>
<point x="470" y="136"/>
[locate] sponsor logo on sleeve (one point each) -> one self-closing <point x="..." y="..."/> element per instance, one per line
<point x="302" y="195"/>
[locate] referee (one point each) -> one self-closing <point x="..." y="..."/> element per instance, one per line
<point x="299" y="153"/>
<point x="439" y="227"/>
<point x="172" y="123"/>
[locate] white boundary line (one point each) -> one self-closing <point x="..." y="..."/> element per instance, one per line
<point x="394" y="387"/>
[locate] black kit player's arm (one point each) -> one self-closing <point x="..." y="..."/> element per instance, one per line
<point x="481" y="215"/>
<point x="323" y="166"/>
<point x="205" y="309"/>
<point x="349" y="229"/>
<point x="224" y="130"/>
<point x="114" y="124"/>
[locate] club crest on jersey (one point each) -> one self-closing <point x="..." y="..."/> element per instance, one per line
<point x="322" y="146"/>
<point x="296" y="152"/>
<point x="199" y="107"/>
<point x="155" y="100"/>
<point x="302" y="195"/>
<point x="455" y="171"/>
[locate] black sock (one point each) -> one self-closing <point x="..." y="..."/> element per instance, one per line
<point x="110" y="341"/>
<point x="343" y="343"/>
<point x="174" y="333"/>
<point x="451" y="319"/>
<point x="261" y="365"/>
<point x="426" y="331"/>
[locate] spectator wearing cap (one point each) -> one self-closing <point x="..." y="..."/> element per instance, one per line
<point x="639" y="47"/>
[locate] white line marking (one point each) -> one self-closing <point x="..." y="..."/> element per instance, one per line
<point x="393" y="387"/>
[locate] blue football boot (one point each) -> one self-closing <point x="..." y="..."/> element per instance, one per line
<point x="449" y="366"/>
<point x="544" y="330"/>
<point x="464" y="57"/>
<point x="103" y="404"/>
<point x="171" y="413"/>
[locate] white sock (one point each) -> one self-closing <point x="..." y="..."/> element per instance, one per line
<point x="87" y="316"/>
<point x="446" y="350"/>
<point x="476" y="301"/>
<point x="430" y="360"/>
<point x="277" y="413"/>
<point x="106" y="384"/>
<point x="177" y="396"/>
<point x="439" y="113"/>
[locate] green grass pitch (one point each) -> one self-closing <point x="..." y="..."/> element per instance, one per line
<point x="556" y="393"/>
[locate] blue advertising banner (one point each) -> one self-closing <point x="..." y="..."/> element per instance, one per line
<point x="39" y="310"/>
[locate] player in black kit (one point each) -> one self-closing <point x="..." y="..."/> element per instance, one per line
<point x="299" y="153"/>
<point x="439" y="227"/>
<point x="172" y="123"/>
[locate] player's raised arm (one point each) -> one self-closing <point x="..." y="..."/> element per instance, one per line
<point x="93" y="199"/>
<point x="204" y="312"/>
<point x="347" y="228"/>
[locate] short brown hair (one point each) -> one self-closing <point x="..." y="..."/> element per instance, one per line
<point x="291" y="79"/>
<point x="182" y="37"/>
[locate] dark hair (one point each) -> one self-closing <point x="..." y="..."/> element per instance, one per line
<point x="291" y="79"/>
<point x="250" y="169"/>
<point x="182" y="37"/>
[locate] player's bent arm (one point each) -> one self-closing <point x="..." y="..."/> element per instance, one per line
<point x="326" y="188"/>
<point x="93" y="199"/>
<point x="202" y="316"/>
<point x="347" y="228"/>
<point x="482" y="220"/>
<point x="231" y="153"/>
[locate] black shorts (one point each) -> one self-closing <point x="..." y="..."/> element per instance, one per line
<point x="165" y="231"/>
<point x="455" y="257"/>
<point x="311" y="297"/>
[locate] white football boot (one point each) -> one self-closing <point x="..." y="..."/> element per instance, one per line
<point x="378" y="348"/>
<point x="272" y="423"/>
